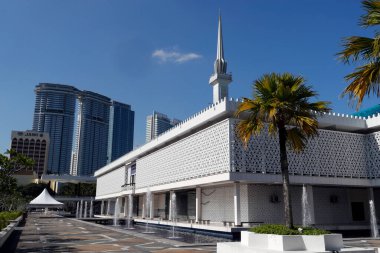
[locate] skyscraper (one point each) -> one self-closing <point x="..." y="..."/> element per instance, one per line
<point x="157" y="123"/>
<point x="34" y="145"/>
<point x="54" y="113"/>
<point x="103" y="129"/>
<point x="120" y="138"/>
<point x="91" y="137"/>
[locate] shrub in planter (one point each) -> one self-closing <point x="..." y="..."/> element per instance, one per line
<point x="278" y="229"/>
<point x="5" y="217"/>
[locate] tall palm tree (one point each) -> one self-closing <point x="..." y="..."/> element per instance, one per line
<point x="366" y="78"/>
<point x="282" y="102"/>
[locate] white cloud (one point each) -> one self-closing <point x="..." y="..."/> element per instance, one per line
<point x="174" y="56"/>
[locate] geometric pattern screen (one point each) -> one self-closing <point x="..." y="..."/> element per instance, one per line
<point x="331" y="154"/>
<point x="217" y="149"/>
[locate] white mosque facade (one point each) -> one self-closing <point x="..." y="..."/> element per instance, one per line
<point x="221" y="185"/>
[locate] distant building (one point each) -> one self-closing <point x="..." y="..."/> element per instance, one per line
<point x="120" y="137"/>
<point x="34" y="145"/>
<point x="157" y="123"/>
<point x="54" y="113"/>
<point x="91" y="137"/>
<point x="86" y="129"/>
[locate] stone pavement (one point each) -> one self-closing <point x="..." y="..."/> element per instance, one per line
<point x="57" y="234"/>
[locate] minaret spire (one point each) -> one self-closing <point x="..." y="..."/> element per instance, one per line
<point x="220" y="63"/>
<point x="220" y="79"/>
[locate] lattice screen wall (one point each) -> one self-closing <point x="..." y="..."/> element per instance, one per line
<point x="332" y="153"/>
<point x="110" y="182"/>
<point x="204" y="153"/>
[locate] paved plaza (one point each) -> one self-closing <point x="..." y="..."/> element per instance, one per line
<point x="57" y="234"/>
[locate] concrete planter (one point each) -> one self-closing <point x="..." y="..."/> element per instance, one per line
<point x="7" y="231"/>
<point x="328" y="242"/>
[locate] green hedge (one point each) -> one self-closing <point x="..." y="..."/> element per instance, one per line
<point x="277" y="229"/>
<point x="6" y="216"/>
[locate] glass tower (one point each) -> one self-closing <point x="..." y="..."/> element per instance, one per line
<point x="91" y="136"/>
<point x="157" y="123"/>
<point x="54" y="113"/>
<point x="120" y="139"/>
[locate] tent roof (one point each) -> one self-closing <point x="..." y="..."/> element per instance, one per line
<point x="45" y="200"/>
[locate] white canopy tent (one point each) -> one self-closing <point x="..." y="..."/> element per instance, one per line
<point x="45" y="200"/>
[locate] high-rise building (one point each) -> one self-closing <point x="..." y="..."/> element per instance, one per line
<point x="91" y="137"/>
<point x="34" y="145"/>
<point x="54" y="113"/>
<point x="120" y="138"/>
<point x="157" y="123"/>
<point x="86" y="129"/>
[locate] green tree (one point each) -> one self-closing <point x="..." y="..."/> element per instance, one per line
<point x="281" y="101"/>
<point x="10" y="163"/>
<point x="366" y="78"/>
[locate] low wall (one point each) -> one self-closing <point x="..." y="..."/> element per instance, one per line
<point x="7" y="231"/>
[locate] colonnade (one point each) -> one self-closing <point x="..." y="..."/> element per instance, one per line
<point x="82" y="209"/>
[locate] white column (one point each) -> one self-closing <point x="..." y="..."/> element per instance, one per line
<point x="170" y="204"/>
<point x="151" y="214"/>
<point x="143" y="207"/>
<point x="108" y="207"/>
<point x="81" y="209"/>
<point x="198" y="204"/>
<point x="125" y="206"/>
<point x="237" y="212"/>
<point x="371" y="195"/>
<point x="102" y="208"/>
<point x="310" y="197"/>
<point x="85" y="209"/>
<point x="77" y="213"/>
<point x="91" y="208"/>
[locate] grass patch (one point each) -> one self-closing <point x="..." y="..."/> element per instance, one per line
<point x="278" y="229"/>
<point x="5" y="217"/>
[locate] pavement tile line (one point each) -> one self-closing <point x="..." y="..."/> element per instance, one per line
<point x="144" y="236"/>
<point x="57" y="234"/>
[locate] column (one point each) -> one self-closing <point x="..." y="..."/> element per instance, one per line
<point x="81" y="209"/>
<point x="108" y="207"/>
<point x="125" y="206"/>
<point x="102" y="208"/>
<point x="237" y="212"/>
<point x="170" y="205"/>
<point x="151" y="204"/>
<point x="198" y="204"/>
<point x="372" y="214"/>
<point x="310" y="197"/>
<point x="77" y="213"/>
<point x="91" y="208"/>
<point x="85" y="209"/>
<point x="143" y="207"/>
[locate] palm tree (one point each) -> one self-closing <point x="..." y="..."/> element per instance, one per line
<point x="366" y="78"/>
<point x="282" y="102"/>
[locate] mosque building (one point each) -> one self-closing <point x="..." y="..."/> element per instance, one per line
<point x="220" y="185"/>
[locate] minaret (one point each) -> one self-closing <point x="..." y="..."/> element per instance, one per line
<point x="220" y="79"/>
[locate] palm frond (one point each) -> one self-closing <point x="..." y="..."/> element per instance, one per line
<point x="279" y="100"/>
<point x="356" y="48"/>
<point x="364" y="81"/>
<point x="296" y="139"/>
<point x="372" y="17"/>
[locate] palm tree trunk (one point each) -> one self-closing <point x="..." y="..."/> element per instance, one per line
<point x="285" y="177"/>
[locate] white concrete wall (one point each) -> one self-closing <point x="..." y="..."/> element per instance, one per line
<point x="111" y="182"/>
<point x="332" y="213"/>
<point x="218" y="203"/>
<point x="202" y="153"/>
<point x="159" y="205"/>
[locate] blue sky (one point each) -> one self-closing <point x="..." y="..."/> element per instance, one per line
<point x="158" y="55"/>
